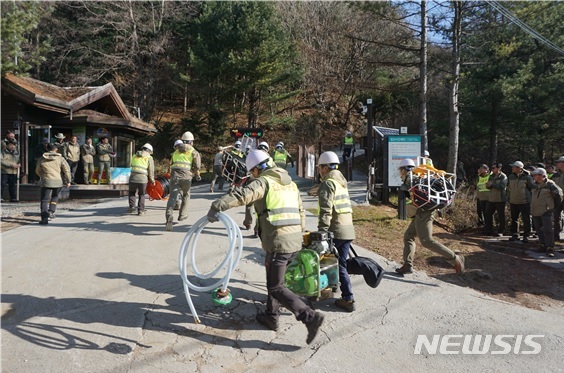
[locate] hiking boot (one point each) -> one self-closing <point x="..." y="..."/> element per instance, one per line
<point x="131" y="210"/>
<point x="247" y="226"/>
<point x="525" y="239"/>
<point x="180" y="218"/>
<point x="269" y="321"/>
<point x="404" y="269"/>
<point x="550" y="252"/>
<point x="51" y="216"/>
<point x="313" y="327"/>
<point x="44" y="221"/>
<point x="513" y="238"/>
<point x="459" y="264"/>
<point x="347" y="305"/>
<point x="141" y="212"/>
<point x="169" y="223"/>
<point x="255" y="235"/>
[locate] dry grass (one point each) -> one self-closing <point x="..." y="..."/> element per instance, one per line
<point x="378" y="229"/>
<point x="488" y="263"/>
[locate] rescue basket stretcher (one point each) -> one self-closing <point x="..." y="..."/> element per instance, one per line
<point x="234" y="169"/>
<point x="432" y="188"/>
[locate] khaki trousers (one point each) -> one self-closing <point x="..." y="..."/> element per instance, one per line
<point x="422" y="226"/>
<point x="179" y="188"/>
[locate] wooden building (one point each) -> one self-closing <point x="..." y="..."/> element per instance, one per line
<point x="37" y="110"/>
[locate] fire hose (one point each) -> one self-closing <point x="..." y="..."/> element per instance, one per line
<point x="220" y="293"/>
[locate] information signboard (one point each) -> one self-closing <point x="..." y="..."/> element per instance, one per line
<point x="401" y="147"/>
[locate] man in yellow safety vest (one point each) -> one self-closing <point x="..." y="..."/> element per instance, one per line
<point x="142" y="172"/>
<point x="335" y="215"/>
<point x="482" y="193"/>
<point x="185" y="165"/>
<point x="281" y="157"/>
<point x="347" y="145"/>
<point x="281" y="220"/>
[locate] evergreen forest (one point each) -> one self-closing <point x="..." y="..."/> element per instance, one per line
<point x="482" y="80"/>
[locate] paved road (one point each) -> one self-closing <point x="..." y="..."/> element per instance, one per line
<point x="98" y="290"/>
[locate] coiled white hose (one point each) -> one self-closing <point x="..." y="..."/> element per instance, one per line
<point x="188" y="249"/>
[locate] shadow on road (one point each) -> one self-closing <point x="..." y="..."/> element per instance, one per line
<point x="174" y="317"/>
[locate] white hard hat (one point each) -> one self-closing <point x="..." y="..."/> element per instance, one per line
<point x="349" y="133"/>
<point x="279" y="145"/>
<point x="329" y="158"/>
<point x="407" y="162"/>
<point x="263" y="146"/>
<point x="187" y="136"/>
<point x="148" y="147"/>
<point x="237" y="144"/>
<point x="426" y="153"/>
<point x="177" y="142"/>
<point x="255" y="158"/>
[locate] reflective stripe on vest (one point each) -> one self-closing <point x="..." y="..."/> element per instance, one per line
<point x="140" y="165"/>
<point x="341" y="201"/>
<point x="182" y="160"/>
<point x="279" y="156"/>
<point x="348" y="140"/>
<point x="282" y="203"/>
<point x="482" y="183"/>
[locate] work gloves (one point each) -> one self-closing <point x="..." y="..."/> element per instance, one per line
<point x="198" y="178"/>
<point x="213" y="215"/>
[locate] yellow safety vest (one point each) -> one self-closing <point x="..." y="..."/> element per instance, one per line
<point x="279" y="156"/>
<point x="238" y="153"/>
<point x="482" y="183"/>
<point x="348" y="141"/>
<point x="282" y="203"/>
<point x="182" y="160"/>
<point x="341" y="201"/>
<point x="140" y="165"/>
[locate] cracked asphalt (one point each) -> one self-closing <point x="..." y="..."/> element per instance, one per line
<point x="98" y="290"/>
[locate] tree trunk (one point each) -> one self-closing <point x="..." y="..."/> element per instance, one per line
<point x="493" y="133"/>
<point x="423" y="78"/>
<point x="454" y="112"/>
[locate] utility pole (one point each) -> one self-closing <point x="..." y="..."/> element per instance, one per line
<point x="369" y="131"/>
<point x="423" y="78"/>
<point x="369" y="156"/>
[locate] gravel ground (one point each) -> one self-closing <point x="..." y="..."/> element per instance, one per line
<point x="17" y="214"/>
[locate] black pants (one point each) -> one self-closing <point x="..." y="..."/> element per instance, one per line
<point x="481" y="210"/>
<point x="49" y="198"/>
<point x="346" y="152"/>
<point x="9" y="182"/>
<point x="343" y="247"/>
<point x="492" y="207"/>
<point x="525" y="211"/>
<point x="278" y="293"/>
<point x="139" y="189"/>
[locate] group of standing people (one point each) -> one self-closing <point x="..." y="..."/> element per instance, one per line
<point x="72" y="152"/>
<point x="533" y="195"/>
